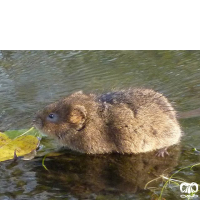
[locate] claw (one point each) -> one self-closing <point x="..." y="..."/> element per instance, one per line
<point x="162" y="152"/>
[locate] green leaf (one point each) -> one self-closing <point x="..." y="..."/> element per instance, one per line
<point x="16" y="133"/>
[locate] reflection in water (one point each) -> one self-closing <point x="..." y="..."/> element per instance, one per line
<point x="83" y="175"/>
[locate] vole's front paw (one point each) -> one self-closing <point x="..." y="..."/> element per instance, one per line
<point x="162" y="152"/>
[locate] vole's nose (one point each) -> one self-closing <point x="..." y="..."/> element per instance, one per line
<point x="37" y="122"/>
<point x="34" y="118"/>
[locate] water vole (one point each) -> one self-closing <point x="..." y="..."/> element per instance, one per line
<point x="125" y="121"/>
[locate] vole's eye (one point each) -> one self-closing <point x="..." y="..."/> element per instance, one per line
<point x="52" y="117"/>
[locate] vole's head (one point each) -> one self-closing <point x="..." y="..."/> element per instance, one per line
<point x="62" y="119"/>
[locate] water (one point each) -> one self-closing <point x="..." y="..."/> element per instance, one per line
<point x="31" y="79"/>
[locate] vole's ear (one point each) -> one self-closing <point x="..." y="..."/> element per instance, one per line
<point x="78" y="116"/>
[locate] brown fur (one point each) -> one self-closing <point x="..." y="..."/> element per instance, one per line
<point x="126" y="121"/>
